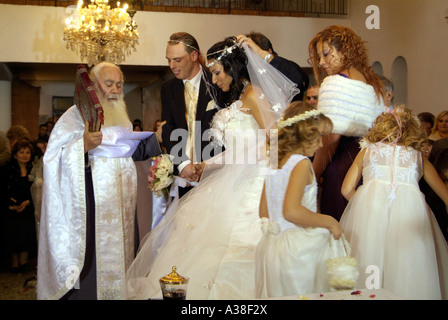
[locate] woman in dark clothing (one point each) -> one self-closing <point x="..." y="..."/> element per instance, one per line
<point x="352" y="96"/>
<point x="20" y="231"/>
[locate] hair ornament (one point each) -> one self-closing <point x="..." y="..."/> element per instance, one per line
<point x="185" y="44"/>
<point x="306" y="115"/>
<point x="391" y="110"/>
<point x="224" y="52"/>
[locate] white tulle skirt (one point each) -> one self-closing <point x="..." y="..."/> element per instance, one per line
<point x="210" y="235"/>
<point x="398" y="242"/>
<point x="293" y="262"/>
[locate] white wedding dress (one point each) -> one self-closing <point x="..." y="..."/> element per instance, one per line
<point x="211" y="233"/>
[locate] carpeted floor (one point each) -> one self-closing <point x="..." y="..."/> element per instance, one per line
<point x="20" y="286"/>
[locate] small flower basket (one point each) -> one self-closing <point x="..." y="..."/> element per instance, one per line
<point x="342" y="272"/>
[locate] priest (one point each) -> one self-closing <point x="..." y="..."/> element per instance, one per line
<point x="86" y="238"/>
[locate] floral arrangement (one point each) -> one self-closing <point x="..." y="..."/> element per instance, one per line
<point x="222" y="121"/>
<point x="161" y="174"/>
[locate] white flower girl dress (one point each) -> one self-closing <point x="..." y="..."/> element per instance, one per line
<point x="291" y="260"/>
<point x="391" y="228"/>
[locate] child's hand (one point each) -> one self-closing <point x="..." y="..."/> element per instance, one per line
<point x="336" y="229"/>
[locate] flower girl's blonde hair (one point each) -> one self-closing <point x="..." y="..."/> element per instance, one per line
<point x="300" y="126"/>
<point x="398" y="125"/>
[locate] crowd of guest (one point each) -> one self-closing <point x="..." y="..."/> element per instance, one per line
<point x="21" y="191"/>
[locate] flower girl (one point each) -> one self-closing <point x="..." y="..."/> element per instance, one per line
<point x="390" y="228"/>
<point x="291" y="256"/>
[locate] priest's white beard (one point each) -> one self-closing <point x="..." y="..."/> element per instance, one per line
<point x="115" y="112"/>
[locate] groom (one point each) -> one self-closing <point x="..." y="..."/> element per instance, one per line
<point x="186" y="105"/>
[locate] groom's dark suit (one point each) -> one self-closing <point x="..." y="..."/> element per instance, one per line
<point x="173" y="112"/>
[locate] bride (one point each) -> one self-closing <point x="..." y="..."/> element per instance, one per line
<point x="211" y="233"/>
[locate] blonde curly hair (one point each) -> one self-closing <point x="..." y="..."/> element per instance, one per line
<point x="400" y="125"/>
<point x="302" y="133"/>
<point x="435" y="127"/>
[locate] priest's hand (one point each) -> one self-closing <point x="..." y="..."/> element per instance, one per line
<point x="91" y="139"/>
<point x="159" y="132"/>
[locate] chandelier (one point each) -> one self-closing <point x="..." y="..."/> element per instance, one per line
<point x="100" y="33"/>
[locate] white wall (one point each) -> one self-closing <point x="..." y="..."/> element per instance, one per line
<point x="414" y="29"/>
<point x="48" y="89"/>
<point x="418" y="31"/>
<point x="35" y="33"/>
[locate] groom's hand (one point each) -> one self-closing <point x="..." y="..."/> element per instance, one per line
<point x="189" y="173"/>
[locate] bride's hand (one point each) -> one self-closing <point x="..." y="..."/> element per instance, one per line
<point x="189" y="173"/>
<point x="199" y="167"/>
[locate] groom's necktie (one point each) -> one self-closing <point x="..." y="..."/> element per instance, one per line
<point x="191" y="100"/>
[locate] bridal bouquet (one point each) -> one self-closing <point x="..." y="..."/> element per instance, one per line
<point x="161" y="174"/>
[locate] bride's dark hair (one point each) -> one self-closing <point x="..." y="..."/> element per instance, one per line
<point x="234" y="62"/>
